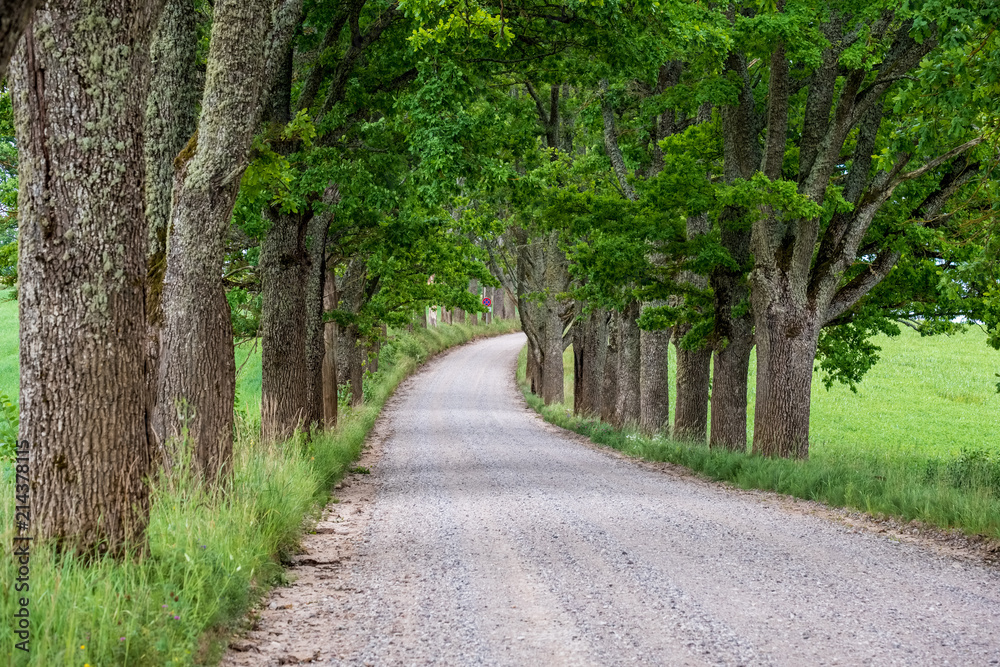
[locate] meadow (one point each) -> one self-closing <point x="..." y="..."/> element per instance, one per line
<point x="919" y="439"/>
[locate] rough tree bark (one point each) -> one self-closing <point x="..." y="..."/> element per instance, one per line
<point x="196" y="384"/>
<point x="609" y="379"/>
<point x="556" y="280"/>
<point x="170" y="120"/>
<point x="330" y="350"/>
<point x="629" y="362"/>
<point x="14" y="18"/>
<point x="318" y="229"/>
<point x="78" y="91"/>
<point x="283" y="271"/>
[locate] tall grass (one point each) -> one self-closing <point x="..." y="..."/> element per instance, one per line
<point x="210" y="554"/>
<point x="931" y="482"/>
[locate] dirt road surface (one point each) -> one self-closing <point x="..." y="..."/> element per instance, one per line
<point x="484" y="536"/>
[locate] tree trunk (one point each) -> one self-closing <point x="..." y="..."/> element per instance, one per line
<point x="654" y="381"/>
<point x="171" y="117"/>
<point x="693" y="366"/>
<point x="552" y="372"/>
<point x="730" y="366"/>
<point x="284" y="379"/>
<point x="691" y="404"/>
<point x="197" y="368"/>
<point x="733" y="321"/>
<point x="595" y="347"/>
<point x="609" y="380"/>
<point x="330" y="351"/>
<point x="83" y="398"/>
<point x="14" y="18"/>
<point x="580" y="361"/>
<point x="315" y="328"/>
<point x="629" y="363"/>
<point x="786" y="348"/>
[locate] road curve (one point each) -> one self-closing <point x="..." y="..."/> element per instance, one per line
<point x="495" y="539"/>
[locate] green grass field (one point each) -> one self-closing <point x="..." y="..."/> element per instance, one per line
<point x="919" y="440"/>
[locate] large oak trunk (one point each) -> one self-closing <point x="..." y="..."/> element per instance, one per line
<point x="595" y="351"/>
<point x="197" y="369"/>
<point x="318" y="228"/>
<point x="629" y="363"/>
<point x="691" y="404"/>
<point x="654" y="381"/>
<point x="786" y="336"/>
<point x="609" y="379"/>
<point x="330" y="351"/>
<point x="82" y="268"/>
<point x="730" y="366"/>
<point x="284" y="378"/>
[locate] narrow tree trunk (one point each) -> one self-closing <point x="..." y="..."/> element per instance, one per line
<point x="691" y="404"/>
<point x="83" y="398"/>
<point x="315" y="328"/>
<point x="197" y="368"/>
<point x="654" y="381"/>
<point x="595" y="347"/>
<point x="629" y="362"/>
<point x="171" y="117"/>
<point x="693" y="366"/>
<point x="330" y="351"/>
<point x="609" y="380"/>
<point x="580" y="360"/>
<point x="730" y="366"/>
<point x="284" y="379"/>
<point x="552" y="356"/>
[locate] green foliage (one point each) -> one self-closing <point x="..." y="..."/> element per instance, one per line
<point x="9" y="421"/>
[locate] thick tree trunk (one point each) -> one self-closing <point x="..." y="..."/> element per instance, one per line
<point x="654" y="381"/>
<point x="84" y="399"/>
<point x="691" y="404"/>
<point x="730" y="366"/>
<point x="580" y="360"/>
<point x="14" y="18"/>
<point x="284" y="380"/>
<point x="595" y="347"/>
<point x="609" y="379"/>
<point x="197" y="368"/>
<point x="786" y="348"/>
<point x="330" y="351"/>
<point x="552" y="372"/>
<point x="171" y="118"/>
<point x="315" y="328"/>
<point x="629" y="363"/>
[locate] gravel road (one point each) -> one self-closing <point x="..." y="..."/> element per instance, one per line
<point x="484" y="536"/>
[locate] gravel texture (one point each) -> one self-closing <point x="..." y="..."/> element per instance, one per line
<point x="485" y="536"/>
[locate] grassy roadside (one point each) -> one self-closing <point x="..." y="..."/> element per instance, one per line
<point x="210" y="555"/>
<point x="958" y="490"/>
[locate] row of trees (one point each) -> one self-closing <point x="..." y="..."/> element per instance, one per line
<point x="793" y="176"/>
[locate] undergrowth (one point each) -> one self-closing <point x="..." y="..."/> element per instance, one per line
<point x="210" y="554"/>
<point x="960" y="492"/>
